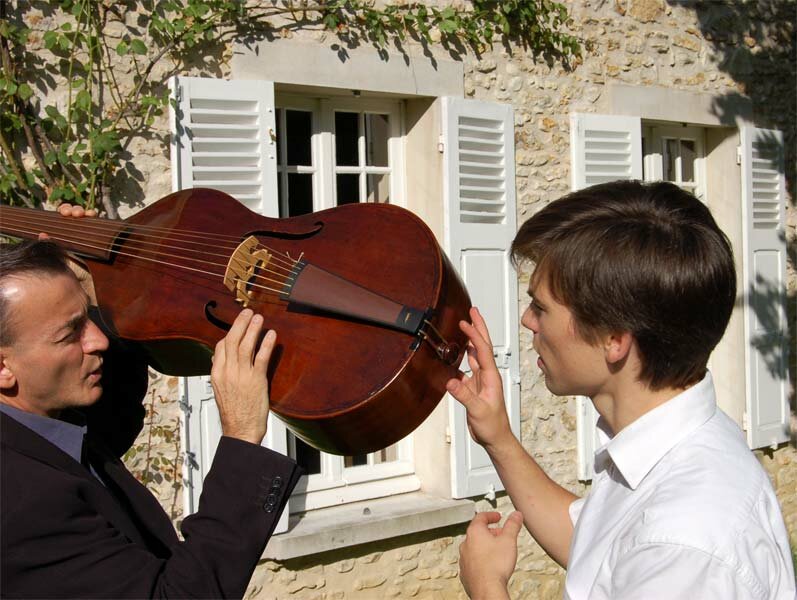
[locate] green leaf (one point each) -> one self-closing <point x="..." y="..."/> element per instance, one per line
<point x="50" y="39"/>
<point x="83" y="101"/>
<point x="138" y="47"/>
<point x="122" y="48"/>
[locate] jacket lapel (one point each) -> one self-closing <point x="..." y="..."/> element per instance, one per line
<point x="141" y="505"/>
<point x="19" y="438"/>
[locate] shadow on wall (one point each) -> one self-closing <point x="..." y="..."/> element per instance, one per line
<point x="755" y="43"/>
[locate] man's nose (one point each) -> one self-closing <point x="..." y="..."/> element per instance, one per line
<point x="528" y="320"/>
<point x="94" y="340"/>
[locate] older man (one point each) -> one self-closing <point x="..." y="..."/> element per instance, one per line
<point x="75" y="523"/>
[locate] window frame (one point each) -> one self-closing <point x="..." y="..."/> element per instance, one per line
<point x="653" y="154"/>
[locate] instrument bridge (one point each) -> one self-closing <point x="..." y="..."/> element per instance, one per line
<point x="242" y="267"/>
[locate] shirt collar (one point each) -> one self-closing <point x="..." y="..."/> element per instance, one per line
<point x="65" y="436"/>
<point x="640" y="445"/>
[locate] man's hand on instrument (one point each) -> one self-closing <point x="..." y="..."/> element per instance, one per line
<point x="488" y="555"/>
<point x="481" y="392"/>
<point x="69" y="210"/>
<point x="239" y="380"/>
<point x="77" y="266"/>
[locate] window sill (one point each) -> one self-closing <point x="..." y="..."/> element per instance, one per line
<point x="362" y="522"/>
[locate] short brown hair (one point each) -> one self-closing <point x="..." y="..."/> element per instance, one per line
<point x="40" y="257"/>
<point x="647" y="259"/>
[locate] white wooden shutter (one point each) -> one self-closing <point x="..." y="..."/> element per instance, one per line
<point x="223" y="138"/>
<point x="764" y="286"/>
<point x="603" y="148"/>
<point x="480" y="223"/>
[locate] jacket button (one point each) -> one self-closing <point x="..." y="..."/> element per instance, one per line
<point x="277" y="481"/>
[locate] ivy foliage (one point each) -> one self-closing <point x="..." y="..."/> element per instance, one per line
<point x="71" y="150"/>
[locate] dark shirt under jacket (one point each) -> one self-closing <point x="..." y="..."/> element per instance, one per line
<point x="65" y="535"/>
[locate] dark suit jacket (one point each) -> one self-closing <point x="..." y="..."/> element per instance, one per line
<point x="63" y="534"/>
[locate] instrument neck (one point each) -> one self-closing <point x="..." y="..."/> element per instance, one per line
<point x="71" y="234"/>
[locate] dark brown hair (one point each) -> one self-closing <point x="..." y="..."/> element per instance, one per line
<point x="23" y="259"/>
<point x="647" y="259"/>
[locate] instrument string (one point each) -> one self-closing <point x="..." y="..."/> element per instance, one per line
<point x="46" y="220"/>
<point x="153" y="260"/>
<point x="272" y="267"/>
<point x="50" y="216"/>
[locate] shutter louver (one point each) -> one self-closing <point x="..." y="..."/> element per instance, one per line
<point x="605" y="148"/>
<point x="482" y="195"/>
<point x="225" y="137"/>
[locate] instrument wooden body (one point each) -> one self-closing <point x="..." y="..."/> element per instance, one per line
<point x="341" y="383"/>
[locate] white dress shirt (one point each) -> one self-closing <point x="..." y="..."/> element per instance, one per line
<point x="679" y="508"/>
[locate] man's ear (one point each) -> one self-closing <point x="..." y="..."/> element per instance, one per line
<point x="617" y="346"/>
<point x="7" y="378"/>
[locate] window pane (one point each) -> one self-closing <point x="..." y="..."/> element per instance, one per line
<point x="644" y="159"/>
<point x="300" y="194"/>
<point x="378" y="188"/>
<point x="308" y="458"/>
<point x="377" y="131"/>
<point x="299" y="124"/>
<point x="346" y="134"/>
<point x="670" y="154"/>
<point x="348" y="187"/>
<point x="388" y="454"/>
<point x="688" y="155"/>
<point x="355" y="461"/>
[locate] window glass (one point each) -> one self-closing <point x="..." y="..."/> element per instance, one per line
<point x="377" y="132"/>
<point x="299" y="125"/>
<point x="300" y="194"/>
<point x="306" y="456"/>
<point x="348" y="188"/>
<point x="378" y="188"/>
<point x="670" y="157"/>
<point x="688" y="156"/>
<point x="346" y="136"/>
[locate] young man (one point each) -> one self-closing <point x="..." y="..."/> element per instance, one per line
<point x="75" y="523"/>
<point x="633" y="287"/>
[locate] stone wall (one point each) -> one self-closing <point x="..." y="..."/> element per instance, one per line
<point x="734" y="50"/>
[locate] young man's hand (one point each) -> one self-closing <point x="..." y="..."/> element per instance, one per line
<point x="488" y="555"/>
<point x="239" y="380"/>
<point x="481" y="393"/>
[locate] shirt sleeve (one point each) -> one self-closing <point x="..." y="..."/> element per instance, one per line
<point x="575" y="509"/>
<point x="672" y="571"/>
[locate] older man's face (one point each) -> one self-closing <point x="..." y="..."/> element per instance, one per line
<point x="54" y="360"/>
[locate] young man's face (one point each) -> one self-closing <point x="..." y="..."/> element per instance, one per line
<point x="571" y="365"/>
<point x="55" y="358"/>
